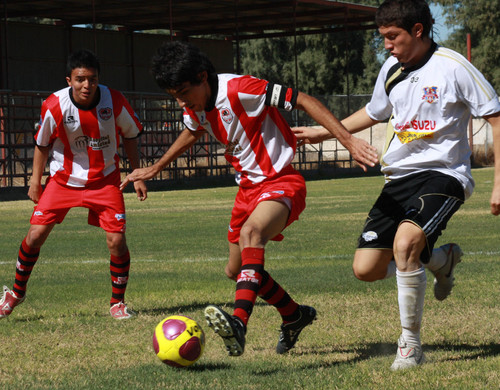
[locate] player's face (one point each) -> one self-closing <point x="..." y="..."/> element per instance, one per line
<point x="401" y="44"/>
<point x="192" y="96"/>
<point x="84" y="82"/>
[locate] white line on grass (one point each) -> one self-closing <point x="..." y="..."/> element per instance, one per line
<point x="216" y="259"/>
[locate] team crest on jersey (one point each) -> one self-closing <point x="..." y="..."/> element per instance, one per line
<point x="430" y="94"/>
<point x="227" y="115"/>
<point x="105" y="113"/>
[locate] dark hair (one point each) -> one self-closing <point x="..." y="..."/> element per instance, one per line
<point x="178" y="62"/>
<point x="405" y="14"/>
<point x="82" y="58"/>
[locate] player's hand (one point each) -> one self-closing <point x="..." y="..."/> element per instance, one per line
<point x="310" y="135"/>
<point x="141" y="190"/>
<point x="35" y="192"/>
<point x="495" y="201"/>
<point x="363" y="153"/>
<point x="139" y="174"/>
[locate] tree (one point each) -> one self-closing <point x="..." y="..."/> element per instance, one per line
<point x="480" y="19"/>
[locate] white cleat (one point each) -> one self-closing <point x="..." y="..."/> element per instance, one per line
<point x="443" y="277"/>
<point x="407" y="356"/>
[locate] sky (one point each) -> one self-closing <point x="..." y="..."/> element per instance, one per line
<point x="441" y="31"/>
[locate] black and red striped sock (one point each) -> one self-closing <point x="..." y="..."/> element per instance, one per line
<point x="271" y="292"/>
<point x="26" y="260"/>
<point x="119" y="267"/>
<point x="248" y="282"/>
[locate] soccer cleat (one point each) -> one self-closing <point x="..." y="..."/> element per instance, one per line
<point x="407" y="356"/>
<point x="290" y="332"/>
<point x="8" y="302"/>
<point x="230" y="328"/>
<point x="120" y="311"/>
<point x="443" y="277"/>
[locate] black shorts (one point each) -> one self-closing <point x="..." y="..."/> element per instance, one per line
<point x="428" y="199"/>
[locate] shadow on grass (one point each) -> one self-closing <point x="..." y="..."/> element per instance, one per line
<point x="462" y="352"/>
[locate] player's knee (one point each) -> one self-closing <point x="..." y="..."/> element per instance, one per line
<point x="365" y="275"/>
<point x="251" y="235"/>
<point x="117" y="244"/>
<point x="230" y="274"/>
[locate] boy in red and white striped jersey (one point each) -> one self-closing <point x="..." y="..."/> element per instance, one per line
<point x="241" y="112"/>
<point x="81" y="126"/>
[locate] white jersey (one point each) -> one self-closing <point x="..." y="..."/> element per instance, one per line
<point x="429" y="112"/>
<point x="85" y="141"/>
<point x="259" y="142"/>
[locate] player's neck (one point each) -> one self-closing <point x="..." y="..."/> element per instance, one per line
<point x="425" y="49"/>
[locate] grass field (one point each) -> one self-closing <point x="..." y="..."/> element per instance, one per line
<point x="62" y="336"/>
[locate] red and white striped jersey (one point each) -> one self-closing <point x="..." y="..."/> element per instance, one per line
<point x="259" y="142"/>
<point x="85" y="142"/>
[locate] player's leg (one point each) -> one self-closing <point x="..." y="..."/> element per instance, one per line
<point x="266" y="221"/>
<point x="27" y="257"/>
<point x="371" y="264"/>
<point x="119" y="265"/>
<point x="409" y="243"/>
<point x="107" y="211"/>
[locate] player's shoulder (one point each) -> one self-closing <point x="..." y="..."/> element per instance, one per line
<point x="450" y="58"/>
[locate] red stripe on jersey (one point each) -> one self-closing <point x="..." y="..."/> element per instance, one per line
<point x="251" y="125"/>
<point x="218" y="130"/>
<point x="90" y="127"/>
<point x="52" y="105"/>
<point x="283" y="127"/>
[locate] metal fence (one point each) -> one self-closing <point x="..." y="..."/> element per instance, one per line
<point x="20" y="112"/>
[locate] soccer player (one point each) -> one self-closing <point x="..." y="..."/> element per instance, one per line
<point x="428" y="93"/>
<point x="81" y="126"/>
<point x="242" y="113"/>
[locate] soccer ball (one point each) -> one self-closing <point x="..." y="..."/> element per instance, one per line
<point x="178" y="341"/>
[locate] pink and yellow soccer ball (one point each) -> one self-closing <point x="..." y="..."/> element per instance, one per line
<point x="178" y="341"/>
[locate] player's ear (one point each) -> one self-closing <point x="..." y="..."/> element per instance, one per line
<point x="418" y="30"/>
<point x="68" y="80"/>
<point x="202" y="76"/>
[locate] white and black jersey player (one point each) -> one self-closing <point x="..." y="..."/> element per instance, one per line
<point x="428" y="94"/>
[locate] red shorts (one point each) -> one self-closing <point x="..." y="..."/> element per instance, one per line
<point x="289" y="186"/>
<point x="103" y="199"/>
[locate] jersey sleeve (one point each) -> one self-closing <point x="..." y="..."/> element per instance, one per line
<point x="126" y="119"/>
<point x="380" y="108"/>
<point x="476" y="92"/>
<point x="281" y="97"/>
<point x="47" y="127"/>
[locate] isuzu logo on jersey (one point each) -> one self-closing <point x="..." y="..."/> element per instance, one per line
<point x="105" y="113"/>
<point x="406" y="135"/>
<point x="227" y="115"/>
<point x="430" y="94"/>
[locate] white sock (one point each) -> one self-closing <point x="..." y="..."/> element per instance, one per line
<point x="391" y="270"/>
<point x="437" y="260"/>
<point x="411" y="294"/>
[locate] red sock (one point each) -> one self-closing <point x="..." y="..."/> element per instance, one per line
<point x="248" y="282"/>
<point x="271" y="292"/>
<point x="119" y="267"/>
<point x="26" y="260"/>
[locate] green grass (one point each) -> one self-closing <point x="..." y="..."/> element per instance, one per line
<point x="62" y="336"/>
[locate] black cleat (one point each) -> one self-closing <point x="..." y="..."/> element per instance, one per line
<point x="290" y="332"/>
<point x="230" y="328"/>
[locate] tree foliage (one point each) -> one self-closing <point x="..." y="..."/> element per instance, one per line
<point x="480" y="19"/>
<point x="348" y="63"/>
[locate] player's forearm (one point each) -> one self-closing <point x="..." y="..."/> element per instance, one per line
<point x="358" y="121"/>
<point x="317" y="111"/>
<point x="183" y="142"/>
<point x="131" y="149"/>
<point x="40" y="158"/>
